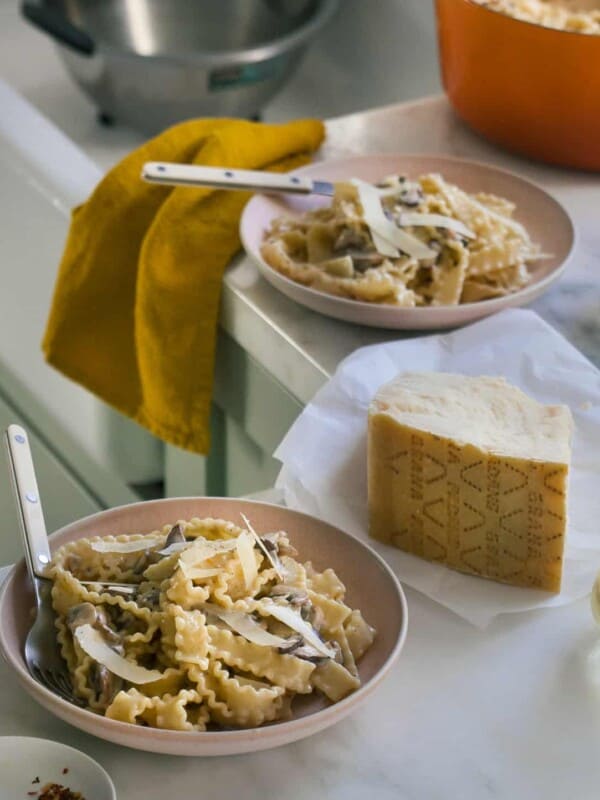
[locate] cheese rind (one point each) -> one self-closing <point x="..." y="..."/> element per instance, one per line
<point x="472" y="473"/>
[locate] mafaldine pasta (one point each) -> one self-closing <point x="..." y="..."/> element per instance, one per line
<point x="405" y="243"/>
<point x="202" y="623"/>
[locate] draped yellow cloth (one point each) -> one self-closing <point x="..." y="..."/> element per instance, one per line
<point x="134" y="312"/>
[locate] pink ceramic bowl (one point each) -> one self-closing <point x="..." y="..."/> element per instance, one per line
<point x="546" y="220"/>
<point x="370" y="584"/>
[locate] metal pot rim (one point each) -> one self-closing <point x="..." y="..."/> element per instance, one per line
<point x="214" y="58"/>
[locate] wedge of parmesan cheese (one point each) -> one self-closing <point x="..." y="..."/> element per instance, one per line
<point x="472" y="473"/>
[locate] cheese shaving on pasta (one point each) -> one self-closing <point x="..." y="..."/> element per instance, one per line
<point x="407" y="218"/>
<point x="134" y="546"/>
<point x="91" y="642"/>
<point x="245" y="551"/>
<point x="247" y="627"/>
<point x="405" y="243"/>
<point x="202" y="631"/>
<point x="294" y="621"/>
<point x="267" y="554"/>
<point x="384" y="229"/>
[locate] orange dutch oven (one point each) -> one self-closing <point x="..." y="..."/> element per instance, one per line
<point x="532" y="89"/>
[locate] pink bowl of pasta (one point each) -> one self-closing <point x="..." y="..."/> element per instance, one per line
<point x="411" y="242"/>
<point x="210" y="626"/>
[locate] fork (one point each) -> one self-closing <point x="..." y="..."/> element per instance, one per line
<point x="42" y="654"/>
<point x="225" y="178"/>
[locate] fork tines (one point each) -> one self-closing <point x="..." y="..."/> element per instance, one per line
<point x="57" y="682"/>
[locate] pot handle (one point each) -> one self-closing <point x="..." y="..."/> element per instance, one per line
<point x="59" y="27"/>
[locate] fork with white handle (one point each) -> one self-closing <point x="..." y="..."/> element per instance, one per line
<point x="230" y="178"/>
<point x="42" y="653"/>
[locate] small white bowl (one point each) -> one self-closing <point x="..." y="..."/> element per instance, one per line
<point x="24" y="759"/>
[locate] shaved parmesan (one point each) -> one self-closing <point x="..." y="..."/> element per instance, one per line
<point x="115" y="587"/>
<point x="245" y="551"/>
<point x="202" y="549"/>
<point x="375" y="218"/>
<point x="386" y="234"/>
<point x="246" y="626"/>
<point x="136" y="546"/>
<point x="176" y="547"/>
<point x="294" y="621"/>
<point x="269" y="556"/>
<point x="436" y="221"/>
<point x="197" y="573"/>
<point x="94" y="645"/>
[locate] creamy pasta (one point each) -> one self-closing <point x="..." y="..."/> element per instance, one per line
<point x="569" y="15"/>
<point x="202" y="624"/>
<point x="405" y="243"/>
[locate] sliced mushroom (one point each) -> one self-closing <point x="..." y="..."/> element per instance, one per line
<point x="81" y="614"/>
<point x="102" y="624"/>
<point x="269" y="544"/>
<point x="308" y="653"/>
<point x="291" y="645"/>
<point x="118" y="647"/>
<point x="175" y="536"/>
<point x="316" y="617"/>
<point x="89" y="614"/>
<point x="150" y="597"/>
<point x="279" y="543"/>
<point x="101" y="616"/>
<point x="147" y="558"/>
<point x="412" y="196"/>
<point x="105" y="683"/>
<point x="365" y="261"/>
<point x="294" y="596"/>
<point x="350" y="237"/>
<point x="141" y="563"/>
<point x="339" y="656"/>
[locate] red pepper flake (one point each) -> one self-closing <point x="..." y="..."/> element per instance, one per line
<point x="53" y="791"/>
<point x="32" y="794"/>
<point x="65" y="770"/>
<point x="36" y="779"/>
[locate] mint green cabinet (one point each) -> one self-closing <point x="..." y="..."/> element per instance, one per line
<point x="65" y="499"/>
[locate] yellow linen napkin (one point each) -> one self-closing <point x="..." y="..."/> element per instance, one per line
<point x="135" y="306"/>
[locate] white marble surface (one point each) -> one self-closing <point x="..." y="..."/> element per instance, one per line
<point x="511" y="713"/>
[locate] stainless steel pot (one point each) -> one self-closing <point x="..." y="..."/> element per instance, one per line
<point x="151" y="63"/>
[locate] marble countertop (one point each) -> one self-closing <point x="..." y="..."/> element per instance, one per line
<point x="511" y="713"/>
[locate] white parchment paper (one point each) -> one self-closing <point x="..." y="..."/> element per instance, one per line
<point x="324" y="453"/>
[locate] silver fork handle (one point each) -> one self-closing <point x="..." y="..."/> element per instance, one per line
<point x="33" y="526"/>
